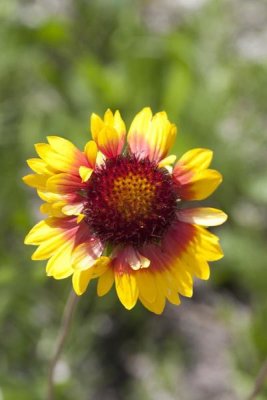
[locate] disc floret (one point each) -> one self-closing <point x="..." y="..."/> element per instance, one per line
<point x="130" y="201"/>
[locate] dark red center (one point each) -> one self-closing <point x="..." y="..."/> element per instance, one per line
<point x="130" y="201"/>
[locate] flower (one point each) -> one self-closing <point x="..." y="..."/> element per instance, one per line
<point x="116" y="211"/>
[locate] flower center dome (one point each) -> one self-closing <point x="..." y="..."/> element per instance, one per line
<point x="130" y="201"/>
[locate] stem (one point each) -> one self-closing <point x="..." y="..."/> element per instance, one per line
<point x="62" y="335"/>
<point x="259" y="383"/>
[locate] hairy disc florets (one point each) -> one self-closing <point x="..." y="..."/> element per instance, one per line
<point x="130" y="201"/>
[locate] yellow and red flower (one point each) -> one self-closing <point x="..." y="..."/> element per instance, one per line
<point x="115" y="211"/>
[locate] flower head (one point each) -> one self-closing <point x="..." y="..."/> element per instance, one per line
<point x="116" y="213"/>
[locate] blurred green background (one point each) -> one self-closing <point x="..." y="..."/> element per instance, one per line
<point x="205" y="63"/>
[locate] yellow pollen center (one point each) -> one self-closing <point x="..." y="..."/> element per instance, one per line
<point x="132" y="196"/>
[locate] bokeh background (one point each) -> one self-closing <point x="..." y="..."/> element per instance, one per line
<point x="205" y="63"/>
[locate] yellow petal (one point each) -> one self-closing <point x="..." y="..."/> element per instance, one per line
<point x="39" y="166"/>
<point x="137" y="136"/>
<point x="80" y="218"/>
<point x="139" y="126"/>
<point x="202" y="216"/>
<point x="196" y="159"/>
<point x="105" y="282"/>
<point x="109" y="134"/>
<point x="90" y="151"/>
<point x="36" y="181"/>
<point x="203" y="184"/>
<point x="53" y="209"/>
<point x="49" y="196"/>
<point x="73" y="209"/>
<point x="59" y="265"/>
<point x="41" y="231"/>
<point x="85" y="173"/>
<point x="171" y="288"/>
<point x="100" y="159"/>
<point x="127" y="289"/>
<point x="159" y="303"/>
<point x="108" y="142"/>
<point x="173" y="296"/>
<point x="80" y="281"/>
<point x="109" y="118"/>
<point x="135" y="259"/>
<point x="96" y="126"/>
<point x="151" y="137"/>
<point x="62" y="146"/>
<point x="85" y="255"/>
<point x="147" y="286"/>
<point x="183" y="279"/>
<point x="119" y="124"/>
<point x="207" y="245"/>
<point x="48" y="247"/>
<point x="153" y="307"/>
<point x="166" y="287"/>
<point x="64" y="183"/>
<point x="161" y="135"/>
<point x="100" y="266"/>
<point x="167" y="161"/>
<point x="61" y="162"/>
<point x="196" y="266"/>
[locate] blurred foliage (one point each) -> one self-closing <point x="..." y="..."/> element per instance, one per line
<point x="206" y="65"/>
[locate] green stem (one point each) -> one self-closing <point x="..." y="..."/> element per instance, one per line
<point x="259" y="382"/>
<point x="62" y="335"/>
